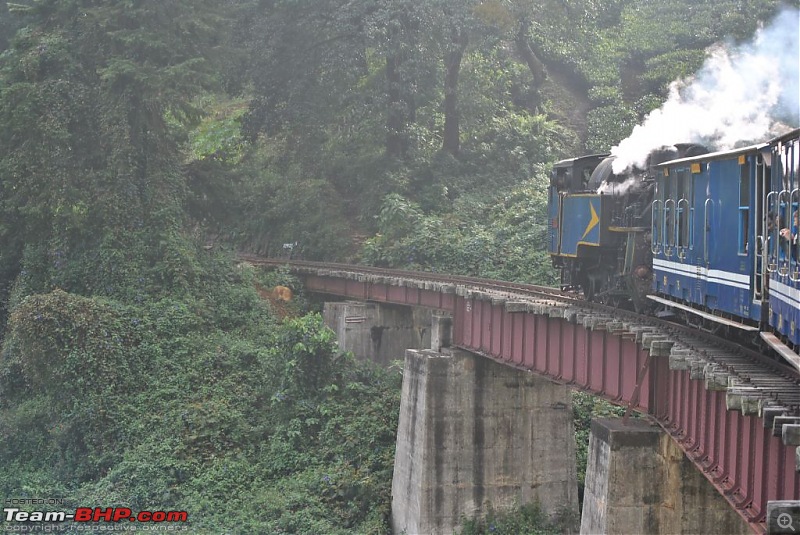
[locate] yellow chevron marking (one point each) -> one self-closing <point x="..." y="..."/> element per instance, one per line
<point x="593" y="222"/>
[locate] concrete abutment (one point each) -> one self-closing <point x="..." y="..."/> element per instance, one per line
<point x="379" y="332"/>
<point x="474" y="433"/>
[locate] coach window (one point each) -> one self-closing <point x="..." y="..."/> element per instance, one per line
<point x="744" y="204"/>
<point x="684" y="207"/>
<point x="657" y="215"/>
<point x="669" y="213"/>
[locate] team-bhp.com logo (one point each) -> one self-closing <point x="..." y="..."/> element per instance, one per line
<point x="26" y="520"/>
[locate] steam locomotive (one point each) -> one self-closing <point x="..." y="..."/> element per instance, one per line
<point x="709" y="236"/>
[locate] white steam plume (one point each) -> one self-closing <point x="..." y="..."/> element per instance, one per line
<point x="619" y="188"/>
<point x="743" y="93"/>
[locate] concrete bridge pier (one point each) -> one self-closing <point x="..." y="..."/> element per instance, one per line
<point x="639" y="481"/>
<point x="474" y="433"/>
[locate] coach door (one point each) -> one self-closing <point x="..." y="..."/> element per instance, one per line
<point x="762" y="227"/>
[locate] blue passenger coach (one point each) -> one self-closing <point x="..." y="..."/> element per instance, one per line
<point x="781" y="266"/>
<point x="705" y="224"/>
<point x="725" y="237"/>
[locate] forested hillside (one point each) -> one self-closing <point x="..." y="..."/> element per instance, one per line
<point x="143" y="142"/>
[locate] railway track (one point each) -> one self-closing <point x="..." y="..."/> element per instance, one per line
<point x="765" y="386"/>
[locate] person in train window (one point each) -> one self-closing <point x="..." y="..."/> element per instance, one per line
<point x="791" y="234"/>
<point x="777" y="222"/>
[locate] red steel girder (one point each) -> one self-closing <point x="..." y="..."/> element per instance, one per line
<point x="740" y="457"/>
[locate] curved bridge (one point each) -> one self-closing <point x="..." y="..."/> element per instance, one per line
<point x="738" y="422"/>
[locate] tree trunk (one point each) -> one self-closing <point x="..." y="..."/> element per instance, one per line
<point x="451" y="142"/>
<point x="5" y="25"/>
<point x="534" y="64"/>
<point x="401" y="104"/>
<point x="394" y="111"/>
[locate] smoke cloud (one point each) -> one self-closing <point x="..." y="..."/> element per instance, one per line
<point x="746" y="93"/>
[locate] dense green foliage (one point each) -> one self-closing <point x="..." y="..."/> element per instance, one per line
<point x="142" y="142"/>
<point x="358" y="101"/>
<point x="146" y="407"/>
<point x="140" y="369"/>
<point x="505" y="240"/>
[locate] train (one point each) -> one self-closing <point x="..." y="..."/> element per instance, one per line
<point x="710" y="238"/>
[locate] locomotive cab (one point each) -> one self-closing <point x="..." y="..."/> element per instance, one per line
<point x="569" y="181"/>
<point x="573" y="174"/>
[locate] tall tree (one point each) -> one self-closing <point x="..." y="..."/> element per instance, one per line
<point x="402" y="26"/>
<point x="6" y="28"/>
<point x="515" y="19"/>
<point x="91" y="170"/>
<point x="307" y="56"/>
<point x="461" y="22"/>
<point x="320" y="61"/>
<point x="459" y="39"/>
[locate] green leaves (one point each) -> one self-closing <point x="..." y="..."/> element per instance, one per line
<point x="309" y="350"/>
<point x="507" y="241"/>
<point x="91" y="170"/>
<point x="59" y="339"/>
<point x="90" y="387"/>
<point x="218" y="136"/>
